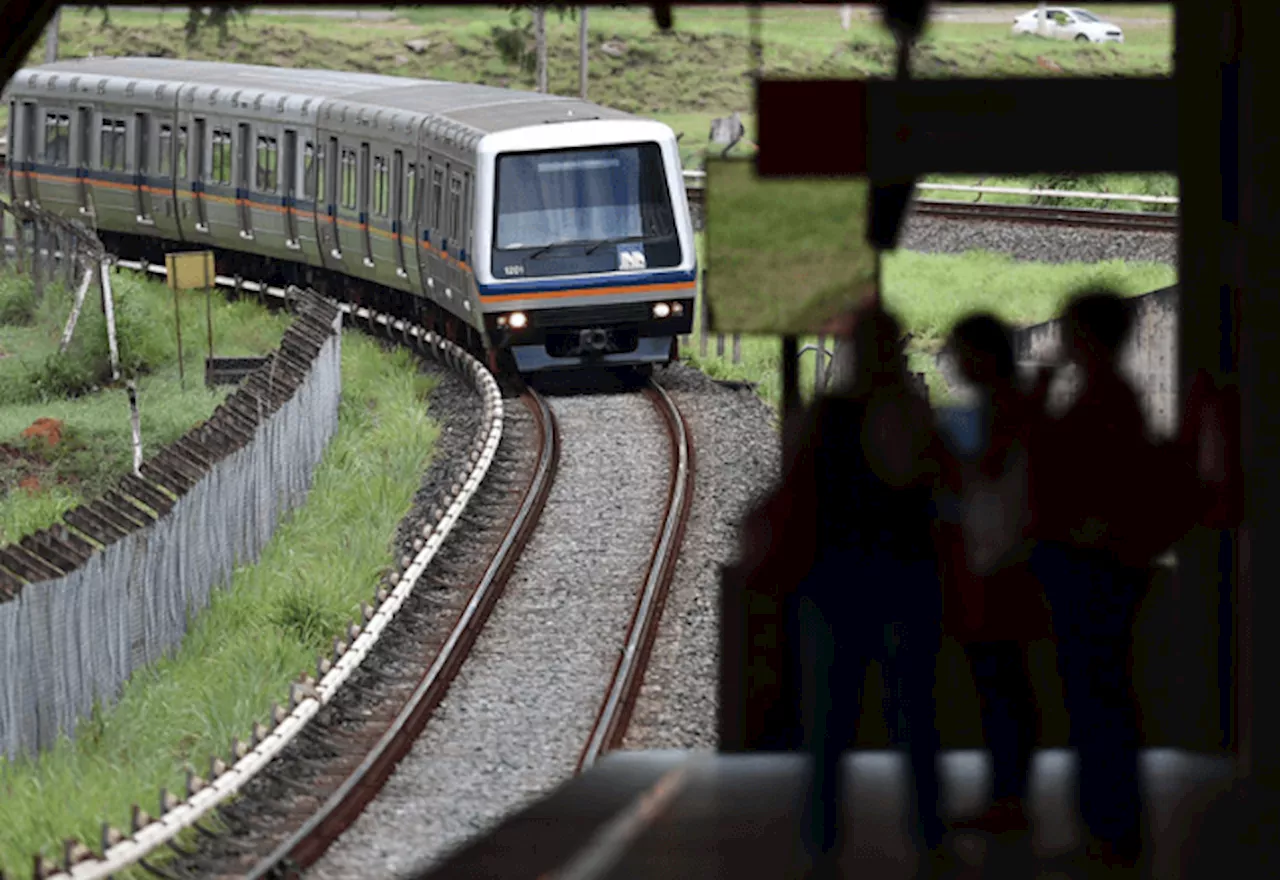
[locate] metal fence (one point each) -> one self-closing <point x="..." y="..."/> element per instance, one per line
<point x="114" y="586"/>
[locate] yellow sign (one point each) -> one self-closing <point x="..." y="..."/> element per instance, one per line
<point x="189" y="269"/>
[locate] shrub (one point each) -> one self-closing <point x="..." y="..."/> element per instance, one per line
<point x="17" y="301"/>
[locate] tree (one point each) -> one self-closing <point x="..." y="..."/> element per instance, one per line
<point x="540" y="38"/>
<point x="198" y="18"/>
<point x="582" y="54"/>
<point x="51" y="37"/>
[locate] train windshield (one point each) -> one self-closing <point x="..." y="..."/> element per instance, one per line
<point x="582" y="197"/>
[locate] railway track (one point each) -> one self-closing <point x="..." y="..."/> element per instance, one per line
<point x="615" y="712"/>
<point x="552" y="683"/>
<point x="1039" y="215"/>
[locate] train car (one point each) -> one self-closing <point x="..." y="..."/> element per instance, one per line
<point x="546" y="228"/>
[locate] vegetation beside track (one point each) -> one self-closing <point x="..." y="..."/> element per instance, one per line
<point x="930" y="292"/>
<point x="39" y="479"/>
<point x="686" y="77"/>
<point x="257" y="635"/>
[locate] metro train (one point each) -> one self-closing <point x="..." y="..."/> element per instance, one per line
<point x="547" y="231"/>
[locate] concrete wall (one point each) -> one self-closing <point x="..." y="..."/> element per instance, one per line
<point x="1150" y="359"/>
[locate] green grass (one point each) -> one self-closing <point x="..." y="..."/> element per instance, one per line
<point x="256" y="636"/>
<point x="75" y="388"/>
<point x="929" y="293"/>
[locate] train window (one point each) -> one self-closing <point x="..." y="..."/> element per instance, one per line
<point x="322" y="171"/>
<point x="165" y="145"/>
<point x="411" y="180"/>
<point x="349" y="179"/>
<point x="221" y="155"/>
<point x="268" y="164"/>
<point x="308" y="168"/>
<point x="455" y="207"/>
<point x="57" y="138"/>
<point x="468" y="210"/>
<point x="381" y="194"/>
<point x="437" y="198"/>
<point x="113" y="144"/>
<point x="182" y="152"/>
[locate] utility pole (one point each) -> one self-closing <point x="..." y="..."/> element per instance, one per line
<point x="540" y="38"/>
<point x="51" y="37"/>
<point x="582" y="53"/>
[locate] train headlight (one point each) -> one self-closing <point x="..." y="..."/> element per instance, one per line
<point x="661" y="310"/>
<point x="518" y="320"/>
<point x="677" y="309"/>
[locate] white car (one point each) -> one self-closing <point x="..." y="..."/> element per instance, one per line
<point x="1067" y="23"/>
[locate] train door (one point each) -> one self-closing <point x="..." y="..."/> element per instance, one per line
<point x="397" y="210"/>
<point x="25" y="153"/>
<point x="336" y="196"/>
<point x="366" y="236"/>
<point x="165" y="180"/>
<point x="199" y="147"/>
<point x="84" y="157"/>
<point x="289" y="187"/>
<point x="244" y="179"/>
<point x="141" y="166"/>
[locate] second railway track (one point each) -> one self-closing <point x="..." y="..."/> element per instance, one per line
<point x="551" y="680"/>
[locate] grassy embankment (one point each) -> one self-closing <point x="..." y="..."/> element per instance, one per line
<point x="260" y="632"/>
<point x="38" y="481"/>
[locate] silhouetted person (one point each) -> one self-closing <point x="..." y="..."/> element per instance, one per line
<point x="861" y="482"/>
<point x="994" y="606"/>
<point x="1087" y="485"/>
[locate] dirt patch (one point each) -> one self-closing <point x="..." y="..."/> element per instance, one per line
<point x="45" y="429"/>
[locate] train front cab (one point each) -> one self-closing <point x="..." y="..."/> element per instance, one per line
<point x="585" y="253"/>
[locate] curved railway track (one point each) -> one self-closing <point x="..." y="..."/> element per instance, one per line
<point x="624" y="687"/>
<point x="346" y="801"/>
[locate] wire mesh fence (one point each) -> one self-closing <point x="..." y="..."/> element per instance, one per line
<point x="113" y="587"/>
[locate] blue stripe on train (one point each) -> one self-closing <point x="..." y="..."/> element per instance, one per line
<point x="655" y="277"/>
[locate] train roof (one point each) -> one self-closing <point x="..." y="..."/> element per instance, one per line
<point x="484" y="109"/>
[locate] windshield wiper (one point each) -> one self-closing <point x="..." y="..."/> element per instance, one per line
<point x="555" y="244"/>
<point x="619" y="240"/>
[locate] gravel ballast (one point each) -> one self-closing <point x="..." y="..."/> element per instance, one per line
<point x="1034" y="243"/>
<point x="518" y="715"/>
<point x="737" y="453"/>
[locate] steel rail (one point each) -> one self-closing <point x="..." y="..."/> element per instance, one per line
<point x="305" y="846"/>
<point x="615" y="712"/>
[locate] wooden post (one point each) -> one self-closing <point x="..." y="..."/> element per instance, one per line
<point x="37" y="276"/>
<point x="719" y="345"/>
<point x="135" y="423"/>
<point x="4" y="249"/>
<point x="69" y="252"/>
<point x="75" y="312"/>
<point x="737" y="348"/>
<point x="177" y="326"/>
<point x="109" y="309"/>
<point x="208" y="308"/>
